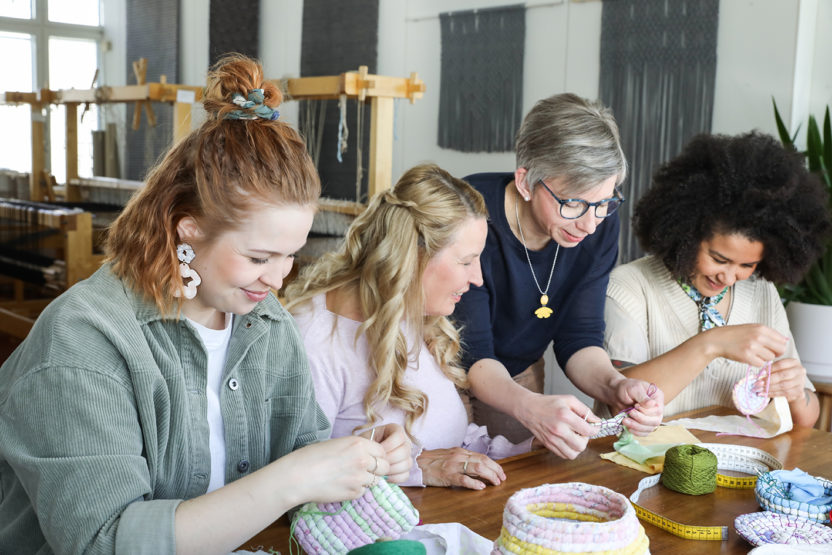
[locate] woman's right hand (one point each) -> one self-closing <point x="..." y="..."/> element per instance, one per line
<point x="561" y="422"/>
<point x="337" y="469"/>
<point x="753" y="344"/>
<point x="458" y="467"/>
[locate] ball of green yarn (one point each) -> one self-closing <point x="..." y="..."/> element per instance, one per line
<point x="403" y="547"/>
<point x="689" y="469"/>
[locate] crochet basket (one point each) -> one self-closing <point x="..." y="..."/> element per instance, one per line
<point x="570" y="518"/>
<point x="771" y="498"/>
<point x="767" y="527"/>
<point x="383" y="511"/>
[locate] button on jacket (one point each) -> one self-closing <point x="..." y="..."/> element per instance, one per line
<point x="103" y="427"/>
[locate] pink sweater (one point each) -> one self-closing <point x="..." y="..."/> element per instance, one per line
<point x="340" y="371"/>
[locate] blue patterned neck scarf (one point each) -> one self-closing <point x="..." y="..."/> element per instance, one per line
<point x="709" y="316"/>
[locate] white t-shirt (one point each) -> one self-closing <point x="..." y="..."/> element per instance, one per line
<point x="216" y="345"/>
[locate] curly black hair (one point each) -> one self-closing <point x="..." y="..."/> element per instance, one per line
<point x="747" y="184"/>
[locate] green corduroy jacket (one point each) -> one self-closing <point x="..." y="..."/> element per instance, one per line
<point x="103" y="427"/>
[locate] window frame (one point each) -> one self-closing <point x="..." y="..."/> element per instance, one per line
<point x="41" y="29"/>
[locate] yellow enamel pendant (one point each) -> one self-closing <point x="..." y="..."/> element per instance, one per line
<point x="544" y="311"/>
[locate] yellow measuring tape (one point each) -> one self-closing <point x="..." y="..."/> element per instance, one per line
<point x="729" y="457"/>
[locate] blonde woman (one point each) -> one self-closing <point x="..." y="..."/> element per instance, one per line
<point x="374" y="319"/>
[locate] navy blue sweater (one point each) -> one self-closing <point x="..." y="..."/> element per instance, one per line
<point x="498" y="318"/>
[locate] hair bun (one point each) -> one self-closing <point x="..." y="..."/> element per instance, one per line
<point x="236" y="74"/>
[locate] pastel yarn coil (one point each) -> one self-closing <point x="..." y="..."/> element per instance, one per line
<point x="383" y="511"/>
<point x="572" y="517"/>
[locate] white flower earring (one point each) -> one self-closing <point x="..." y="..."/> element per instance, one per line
<point x="185" y="254"/>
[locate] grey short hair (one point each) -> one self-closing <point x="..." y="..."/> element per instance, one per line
<point x="568" y="137"/>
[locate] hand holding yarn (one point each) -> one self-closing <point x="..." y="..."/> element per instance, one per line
<point x="788" y="379"/>
<point x="753" y="344"/>
<point x="336" y="469"/>
<point x="396" y="444"/>
<point x="560" y="422"/>
<point x="459" y="467"/>
<point x="643" y="404"/>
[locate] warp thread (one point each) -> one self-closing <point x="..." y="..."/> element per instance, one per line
<point x="690" y="469"/>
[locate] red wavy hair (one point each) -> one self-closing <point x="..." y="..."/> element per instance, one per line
<point x="216" y="175"/>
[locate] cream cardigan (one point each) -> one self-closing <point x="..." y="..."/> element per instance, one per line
<point x="648" y="314"/>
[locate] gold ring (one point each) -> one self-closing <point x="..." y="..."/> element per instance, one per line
<point x="465" y="465"/>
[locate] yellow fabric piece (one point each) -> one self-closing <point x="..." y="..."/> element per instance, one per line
<point x="515" y="545"/>
<point x="662" y="435"/>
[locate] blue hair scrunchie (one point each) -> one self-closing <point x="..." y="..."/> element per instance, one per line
<point x="255" y="104"/>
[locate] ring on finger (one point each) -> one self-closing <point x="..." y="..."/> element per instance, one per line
<point x="375" y="466"/>
<point x="465" y="465"/>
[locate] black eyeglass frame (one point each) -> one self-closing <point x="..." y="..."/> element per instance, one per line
<point x="586" y="205"/>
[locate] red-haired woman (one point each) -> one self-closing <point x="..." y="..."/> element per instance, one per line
<point x="165" y="404"/>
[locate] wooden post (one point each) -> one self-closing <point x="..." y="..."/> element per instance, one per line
<point x="181" y="120"/>
<point x="38" y="151"/>
<point x="72" y="193"/>
<point x="78" y="247"/>
<point x="381" y="145"/>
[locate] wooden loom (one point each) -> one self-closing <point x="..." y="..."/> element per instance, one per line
<point x="379" y="91"/>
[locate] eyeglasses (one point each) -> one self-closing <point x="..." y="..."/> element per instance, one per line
<point x="574" y="208"/>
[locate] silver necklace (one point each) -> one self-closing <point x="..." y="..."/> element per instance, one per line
<point x="543" y="311"/>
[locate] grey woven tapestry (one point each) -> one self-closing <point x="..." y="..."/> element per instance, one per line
<point x="234" y="27"/>
<point x="152" y="33"/>
<point x="481" y="88"/>
<point x="658" y="66"/>
<point x="338" y="37"/>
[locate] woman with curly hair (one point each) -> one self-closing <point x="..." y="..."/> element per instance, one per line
<point x="373" y="316"/>
<point x="724" y="222"/>
<point x="164" y="405"/>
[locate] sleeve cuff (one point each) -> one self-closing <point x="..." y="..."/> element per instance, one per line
<point x="147" y="527"/>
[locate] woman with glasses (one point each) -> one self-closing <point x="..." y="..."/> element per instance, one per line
<point x="552" y="242"/>
<point x="724" y="221"/>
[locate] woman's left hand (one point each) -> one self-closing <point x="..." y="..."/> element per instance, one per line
<point x="397" y="448"/>
<point x="788" y="378"/>
<point x="459" y="467"/>
<point x="647" y="402"/>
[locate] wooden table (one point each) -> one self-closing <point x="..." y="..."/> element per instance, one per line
<point x="482" y="511"/>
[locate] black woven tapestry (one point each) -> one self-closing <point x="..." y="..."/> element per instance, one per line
<point x="658" y="67"/>
<point x="152" y="33"/>
<point x="481" y="88"/>
<point x="339" y="37"/>
<point x="234" y="27"/>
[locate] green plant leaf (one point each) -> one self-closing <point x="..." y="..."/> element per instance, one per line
<point x="781" y="128"/>
<point x="816" y="285"/>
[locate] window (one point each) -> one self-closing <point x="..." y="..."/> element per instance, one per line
<point x="47" y="44"/>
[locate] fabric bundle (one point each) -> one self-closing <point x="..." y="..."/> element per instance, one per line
<point x="796" y="493"/>
<point x="383" y="512"/>
<point x="570" y="518"/>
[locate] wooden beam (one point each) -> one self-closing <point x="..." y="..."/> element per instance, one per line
<point x="14" y="324"/>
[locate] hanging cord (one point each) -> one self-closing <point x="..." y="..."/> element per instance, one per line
<point x="343" y="130"/>
<point x="359" y="151"/>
